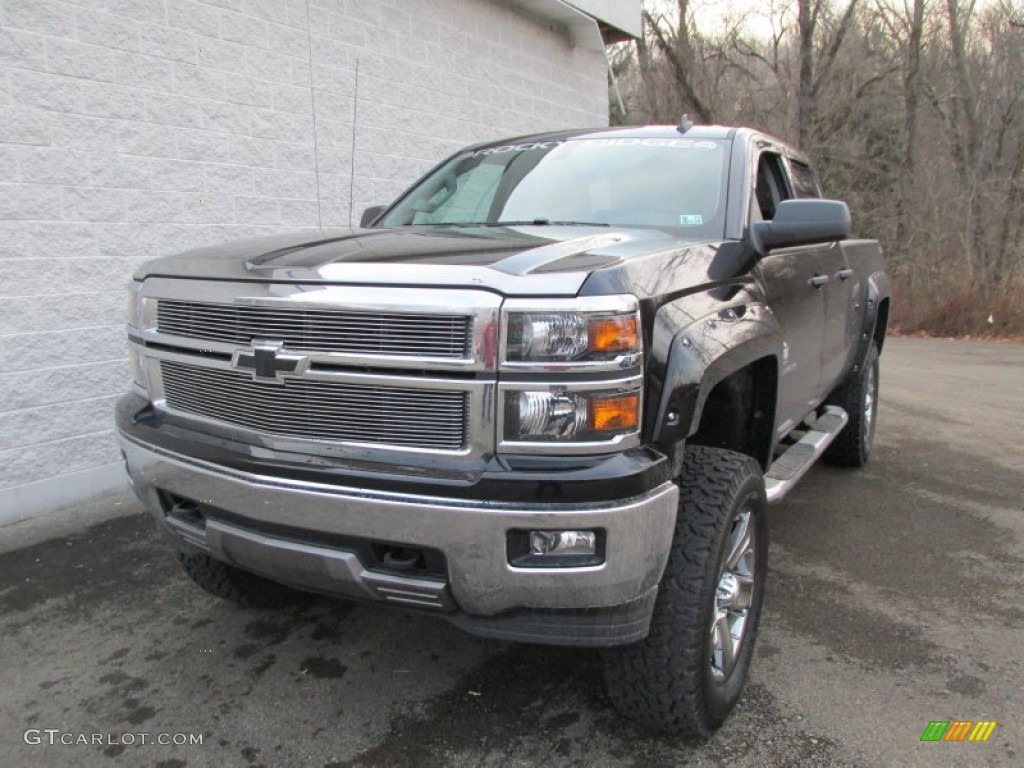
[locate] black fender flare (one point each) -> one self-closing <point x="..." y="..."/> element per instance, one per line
<point x="706" y="352"/>
<point x="878" y="289"/>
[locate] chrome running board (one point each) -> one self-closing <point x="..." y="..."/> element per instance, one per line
<point x="788" y="468"/>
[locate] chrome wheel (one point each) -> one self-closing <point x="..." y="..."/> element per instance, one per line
<point x="734" y="595"/>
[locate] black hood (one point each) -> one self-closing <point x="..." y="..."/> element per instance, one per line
<point x="524" y="260"/>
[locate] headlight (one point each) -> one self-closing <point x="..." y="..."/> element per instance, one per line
<point x="559" y="414"/>
<point x="603" y="332"/>
<point x="135" y="323"/>
<point x="134" y="318"/>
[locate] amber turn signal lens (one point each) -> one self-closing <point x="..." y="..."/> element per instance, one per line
<point x="615" y="413"/>
<point x="614" y="334"/>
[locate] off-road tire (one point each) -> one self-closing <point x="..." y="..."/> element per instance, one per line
<point x="666" y="680"/>
<point x="852" y="446"/>
<point x="235" y="585"/>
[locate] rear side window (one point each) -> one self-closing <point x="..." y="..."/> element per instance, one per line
<point x="804" y="183"/>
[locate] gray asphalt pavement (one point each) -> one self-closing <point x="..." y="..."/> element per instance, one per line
<point x="896" y="597"/>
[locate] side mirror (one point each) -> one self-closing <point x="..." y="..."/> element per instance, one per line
<point x="370" y="215"/>
<point x="802" y="222"/>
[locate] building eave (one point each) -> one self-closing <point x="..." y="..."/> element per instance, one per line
<point x="589" y="25"/>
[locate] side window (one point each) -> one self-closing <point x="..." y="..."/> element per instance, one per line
<point x="772" y="187"/>
<point x="804" y="183"/>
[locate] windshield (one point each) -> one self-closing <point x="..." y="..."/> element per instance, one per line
<point x="618" y="182"/>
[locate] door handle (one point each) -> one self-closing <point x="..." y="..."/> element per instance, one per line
<point x="818" y="280"/>
<point x="844" y="274"/>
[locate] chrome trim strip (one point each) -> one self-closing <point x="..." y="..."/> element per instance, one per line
<point x="430" y="275"/>
<point x="424" y="362"/>
<point x="313" y="371"/>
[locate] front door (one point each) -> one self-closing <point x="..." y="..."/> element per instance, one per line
<point x="793" y="283"/>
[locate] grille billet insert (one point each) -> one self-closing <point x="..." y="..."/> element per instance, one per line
<point x="320" y="410"/>
<point x="400" y="334"/>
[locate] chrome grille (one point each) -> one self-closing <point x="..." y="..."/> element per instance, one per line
<point x="320" y="410"/>
<point x="320" y="330"/>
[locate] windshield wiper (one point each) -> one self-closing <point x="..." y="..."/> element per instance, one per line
<point x="523" y="223"/>
<point x="547" y="223"/>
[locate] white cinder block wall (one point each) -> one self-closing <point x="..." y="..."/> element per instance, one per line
<point x="135" y="128"/>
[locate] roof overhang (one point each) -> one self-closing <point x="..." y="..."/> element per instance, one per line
<point x="614" y="16"/>
<point x="590" y="24"/>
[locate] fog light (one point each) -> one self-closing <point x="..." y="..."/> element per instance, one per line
<point x="556" y="543"/>
<point x="556" y="549"/>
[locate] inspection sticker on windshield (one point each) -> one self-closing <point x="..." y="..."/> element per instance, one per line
<point x="690" y="219"/>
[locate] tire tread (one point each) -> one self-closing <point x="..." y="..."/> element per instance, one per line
<point x="660" y="680"/>
<point x="849" y="449"/>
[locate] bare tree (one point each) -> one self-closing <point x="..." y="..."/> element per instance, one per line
<point x="814" y="68"/>
<point x="675" y="45"/>
<point x="912" y="109"/>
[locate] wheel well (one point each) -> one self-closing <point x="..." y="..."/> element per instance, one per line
<point x="881" y="322"/>
<point x="739" y="413"/>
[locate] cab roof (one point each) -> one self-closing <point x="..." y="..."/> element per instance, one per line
<point x="644" y="132"/>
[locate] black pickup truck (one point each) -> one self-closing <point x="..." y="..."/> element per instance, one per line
<point x="547" y="394"/>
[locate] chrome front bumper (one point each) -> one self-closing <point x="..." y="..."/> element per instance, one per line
<point x="471" y="535"/>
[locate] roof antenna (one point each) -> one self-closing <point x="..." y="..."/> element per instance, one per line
<point x="685" y="124"/>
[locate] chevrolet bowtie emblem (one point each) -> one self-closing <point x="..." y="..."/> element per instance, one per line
<point x="268" y="363"/>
